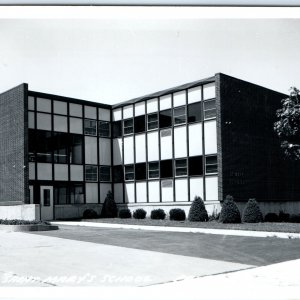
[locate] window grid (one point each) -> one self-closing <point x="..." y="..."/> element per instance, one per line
<point x="152" y="121"/>
<point x="153" y="170"/>
<point x="105" y="173"/>
<point x="90" y="127"/>
<point x="91" y="173"/>
<point x="129" y="172"/>
<point x="104" y="129"/>
<point x="211" y="164"/>
<point x="209" y="109"/>
<point x="179" y="116"/>
<point x="128" y="126"/>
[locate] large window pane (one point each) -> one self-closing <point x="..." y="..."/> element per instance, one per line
<point x="104" y="173"/>
<point x="43" y="105"/>
<point x="31" y="104"/>
<point x="129" y="172"/>
<point x="209" y="109"/>
<point x="43" y="121"/>
<point x="60" y="123"/>
<point x="60" y="147"/>
<point x="166" y="168"/>
<point x="76" y="125"/>
<point x="181" y="167"/>
<point x="179" y="115"/>
<point x="104" y="129"/>
<point x="165" y="118"/>
<point x="90" y="127"/>
<point x="118" y="174"/>
<point x="60" y="107"/>
<point x="90" y="112"/>
<point x="139" y="124"/>
<point x="152" y="121"/>
<point x="61" y="194"/>
<point x="75" y="110"/>
<point x="195" y="165"/>
<point x="76" y="194"/>
<point x="44" y="146"/>
<point x="128" y="126"/>
<point x="91" y="173"/>
<point x="76" y="144"/>
<point x="117" y="129"/>
<point x="140" y="171"/>
<point x="195" y="112"/>
<point x="153" y="169"/>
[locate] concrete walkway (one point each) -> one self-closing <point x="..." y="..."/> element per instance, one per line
<point x="284" y="235"/>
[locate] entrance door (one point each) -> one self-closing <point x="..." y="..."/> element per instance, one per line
<point x="46" y="203"/>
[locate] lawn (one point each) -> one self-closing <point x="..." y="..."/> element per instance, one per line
<point x="276" y="227"/>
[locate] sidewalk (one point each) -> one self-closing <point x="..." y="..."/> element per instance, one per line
<point x="284" y="235"/>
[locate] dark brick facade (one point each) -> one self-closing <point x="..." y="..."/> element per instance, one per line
<point x="251" y="163"/>
<point x="13" y="146"/>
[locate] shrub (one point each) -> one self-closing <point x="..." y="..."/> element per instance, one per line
<point x="229" y="212"/>
<point x="90" y="214"/>
<point x="109" y="209"/>
<point x="294" y="218"/>
<point x="139" y="213"/>
<point x="283" y="217"/>
<point x="125" y="213"/>
<point x="214" y="216"/>
<point x="158" y="214"/>
<point x="271" y="217"/>
<point x="177" y="214"/>
<point x="252" y="212"/>
<point x="198" y="212"/>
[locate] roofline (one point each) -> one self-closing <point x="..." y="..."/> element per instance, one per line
<point x="73" y="100"/>
<point x="165" y="92"/>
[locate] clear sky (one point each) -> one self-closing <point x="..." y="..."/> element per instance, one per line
<point x="112" y="60"/>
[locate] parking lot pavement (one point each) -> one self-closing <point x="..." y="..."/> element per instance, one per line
<point x="42" y="260"/>
<point x="245" y="250"/>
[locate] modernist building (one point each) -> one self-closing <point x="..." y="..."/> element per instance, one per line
<point x="212" y="137"/>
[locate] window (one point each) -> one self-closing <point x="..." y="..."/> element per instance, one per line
<point x="211" y="165"/>
<point x="153" y="170"/>
<point x="90" y="127"/>
<point x="118" y="174"/>
<point x="31" y="145"/>
<point x="152" y="121"/>
<point x="31" y="104"/>
<point x="75" y="110"/>
<point x="140" y="171"/>
<point x="104" y="173"/>
<point x="128" y="126"/>
<point x="46" y="197"/>
<point x="104" y="129"/>
<point x="180" y="167"/>
<point x="60" y="147"/>
<point x="76" y="194"/>
<point x="195" y="112"/>
<point x="166" y="168"/>
<point x="91" y="173"/>
<point x="60" y="107"/>
<point x="76" y="143"/>
<point x="117" y="129"/>
<point x="61" y="194"/>
<point x="44" y="146"/>
<point x="129" y="172"/>
<point x="139" y="124"/>
<point x="165" y="118"/>
<point x="209" y="109"/>
<point x="43" y="105"/>
<point x="179" y="115"/>
<point x="195" y="165"/>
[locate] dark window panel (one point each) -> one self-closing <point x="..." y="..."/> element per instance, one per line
<point x="90" y="127"/>
<point x="118" y="174"/>
<point x="195" y="165"/>
<point x="153" y="169"/>
<point x="139" y="124"/>
<point x="60" y="147"/>
<point x="165" y="118"/>
<point x="103" y="129"/>
<point x="76" y="194"/>
<point x="31" y="145"/>
<point x="61" y="194"/>
<point x="91" y="173"/>
<point x="140" y="171"/>
<point x="117" y="129"/>
<point x="181" y="167"/>
<point x="76" y="145"/>
<point x="195" y="112"/>
<point x="128" y="126"/>
<point x="44" y="146"/>
<point x="104" y="173"/>
<point x="152" y="121"/>
<point x="166" y="168"/>
<point x="179" y="115"/>
<point x="129" y="172"/>
<point x="211" y="165"/>
<point x="209" y="109"/>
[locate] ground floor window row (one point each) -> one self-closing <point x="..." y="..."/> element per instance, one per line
<point x="166" y="168"/>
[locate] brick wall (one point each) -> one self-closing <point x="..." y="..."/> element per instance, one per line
<point x="13" y="146"/>
<point x="252" y="162"/>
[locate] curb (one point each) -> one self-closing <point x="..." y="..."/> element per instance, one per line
<point x="26" y="228"/>
<point x="283" y="235"/>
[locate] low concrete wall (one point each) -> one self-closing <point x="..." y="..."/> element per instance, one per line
<point x="74" y="211"/>
<point x="20" y="212"/>
<point x="291" y="207"/>
<point x="211" y="206"/>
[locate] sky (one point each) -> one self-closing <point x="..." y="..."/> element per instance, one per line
<point x="111" y="59"/>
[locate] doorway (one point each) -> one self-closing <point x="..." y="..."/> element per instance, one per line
<point x="46" y="203"/>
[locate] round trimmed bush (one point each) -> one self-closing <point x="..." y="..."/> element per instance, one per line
<point x="124" y="213"/>
<point x="294" y="218"/>
<point x="252" y="212"/>
<point x="139" y="214"/>
<point x="229" y="212"/>
<point x="283" y="217"/>
<point x="158" y="214"/>
<point x="271" y="217"/>
<point x="90" y="214"/>
<point x="177" y="214"/>
<point x="198" y="212"/>
<point x="109" y="209"/>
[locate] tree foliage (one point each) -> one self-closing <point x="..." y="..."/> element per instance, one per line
<point x="288" y="125"/>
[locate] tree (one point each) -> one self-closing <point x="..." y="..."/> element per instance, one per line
<point x="109" y="209"/>
<point x="288" y="126"/>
